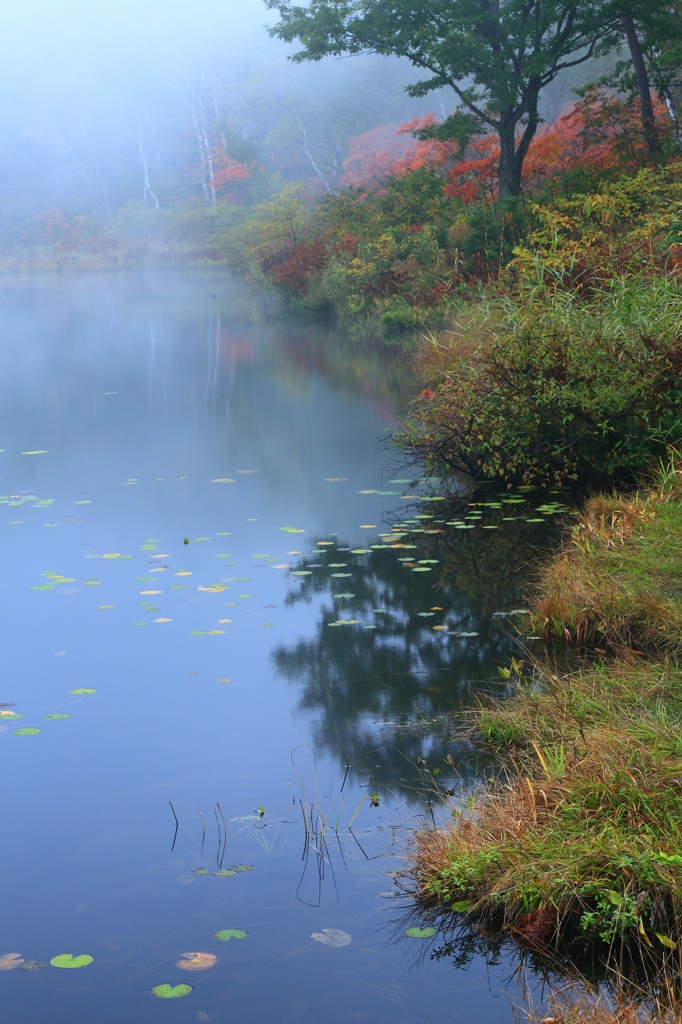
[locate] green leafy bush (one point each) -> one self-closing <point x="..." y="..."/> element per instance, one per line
<point x="560" y="388"/>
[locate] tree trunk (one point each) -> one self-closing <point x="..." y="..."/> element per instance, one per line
<point x="509" y="168"/>
<point x="643" y="87"/>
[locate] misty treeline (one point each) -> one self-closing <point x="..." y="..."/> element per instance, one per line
<point x="229" y="127"/>
<point x="183" y="140"/>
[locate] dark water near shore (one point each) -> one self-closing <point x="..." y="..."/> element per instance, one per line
<point x="202" y="523"/>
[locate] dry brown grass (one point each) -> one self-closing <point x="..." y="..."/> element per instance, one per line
<point x="465" y="337"/>
<point x="619" y="580"/>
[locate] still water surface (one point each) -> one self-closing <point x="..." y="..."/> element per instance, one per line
<point x="202" y="524"/>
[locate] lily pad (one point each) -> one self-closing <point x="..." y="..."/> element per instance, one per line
<point x="171" y="991"/>
<point x="331" y="937"/>
<point x="55" y="717"/>
<point x="420" y="933"/>
<point x="27" y="732"/>
<point x="196" y="961"/>
<point x="224" y="873"/>
<point x="230" y="933"/>
<point x="83" y="689"/>
<point x="68" y="960"/>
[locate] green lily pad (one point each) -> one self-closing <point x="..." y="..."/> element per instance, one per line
<point x="229" y="933"/>
<point x="462" y="905"/>
<point x="55" y="717"/>
<point x="83" y="689"/>
<point x="420" y="933"/>
<point x="224" y="873"/>
<point x="171" y="991"/>
<point x="26" y="732"/>
<point x="68" y="960"/>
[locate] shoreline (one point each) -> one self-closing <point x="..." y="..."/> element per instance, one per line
<point x="579" y="843"/>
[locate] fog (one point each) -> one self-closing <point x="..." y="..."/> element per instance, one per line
<point x="105" y="107"/>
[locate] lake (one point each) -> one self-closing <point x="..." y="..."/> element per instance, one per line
<point x="238" y="639"/>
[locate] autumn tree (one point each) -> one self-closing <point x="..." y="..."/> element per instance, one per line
<point x="496" y="55"/>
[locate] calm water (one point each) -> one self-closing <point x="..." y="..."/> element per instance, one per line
<point x="202" y="524"/>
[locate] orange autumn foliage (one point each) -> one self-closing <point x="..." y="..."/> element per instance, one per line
<point x="388" y="150"/>
<point x="600" y="132"/>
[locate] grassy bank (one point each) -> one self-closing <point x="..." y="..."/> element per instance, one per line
<point x="580" y="841"/>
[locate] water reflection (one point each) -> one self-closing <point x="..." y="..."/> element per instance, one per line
<point x="410" y="630"/>
<point x="146" y="394"/>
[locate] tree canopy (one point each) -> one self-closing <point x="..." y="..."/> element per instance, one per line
<point x="496" y="55"/>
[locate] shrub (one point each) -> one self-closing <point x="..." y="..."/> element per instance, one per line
<point x="561" y="389"/>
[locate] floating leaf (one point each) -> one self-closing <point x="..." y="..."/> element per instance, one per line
<point x="83" y="689"/>
<point x="199" y="871"/>
<point x="331" y="937"/>
<point x="230" y="933"/>
<point x="462" y="905"/>
<point x="196" y="961"/>
<point x="8" y="961"/>
<point x="420" y="933"/>
<point x="224" y="873"/>
<point x="27" y="732"/>
<point x="242" y="867"/>
<point x="31" y="965"/>
<point x="55" y="717"/>
<point x="223" y="480"/>
<point x="42" y="451"/>
<point x="171" y="991"/>
<point x="67" y="960"/>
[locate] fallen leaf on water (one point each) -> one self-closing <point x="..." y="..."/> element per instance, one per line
<point x="196" y="961"/>
<point x="8" y="961"/>
<point x="331" y="937"/>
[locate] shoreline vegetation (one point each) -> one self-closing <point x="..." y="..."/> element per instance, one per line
<point x="577" y="845"/>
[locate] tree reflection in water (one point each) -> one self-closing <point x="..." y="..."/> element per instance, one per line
<point x="414" y="633"/>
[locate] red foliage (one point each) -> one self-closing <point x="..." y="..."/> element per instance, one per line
<point x="392" y="149"/>
<point x="600" y="132"/>
<point x="475" y="177"/>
